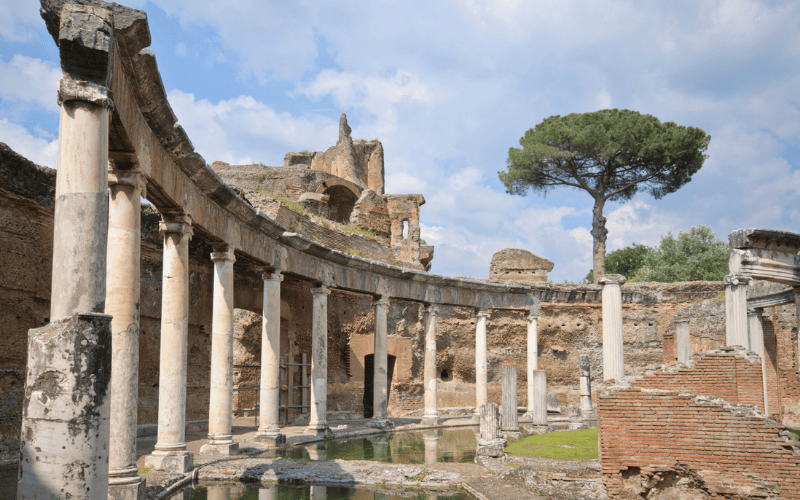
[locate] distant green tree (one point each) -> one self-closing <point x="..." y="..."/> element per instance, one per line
<point x="696" y="255"/>
<point x="625" y="261"/>
<point x="612" y="154"/>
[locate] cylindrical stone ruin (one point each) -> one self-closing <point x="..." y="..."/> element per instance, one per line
<point x="380" y="392"/>
<point x="318" y="418"/>
<point x="65" y="420"/>
<point x="481" y="362"/>
<point x="170" y="454"/>
<point x="220" y="436"/>
<point x="533" y="348"/>
<point x="431" y="415"/>
<point x="736" y="310"/>
<point x="122" y="303"/>
<point x="756" y="336"/>
<point x="269" y="395"/>
<point x="586" y="386"/>
<point x="613" y="342"/>
<point x="682" y="341"/>
<point x="509" y="383"/>
<point x="538" y="409"/>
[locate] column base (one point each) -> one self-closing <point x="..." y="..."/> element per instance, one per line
<point x="431" y="420"/>
<point x="226" y="449"/>
<point x="127" y="488"/>
<point x="493" y="448"/>
<point x="178" y="462"/>
<point x="319" y="430"/>
<point x="380" y="423"/>
<point x="271" y="439"/>
<point x="516" y="434"/>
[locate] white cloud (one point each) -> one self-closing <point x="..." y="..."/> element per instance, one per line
<point x="40" y="150"/>
<point x="30" y="80"/>
<point x="19" y="20"/>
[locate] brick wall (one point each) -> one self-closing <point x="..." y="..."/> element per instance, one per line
<point x="727" y="375"/>
<point x="667" y="441"/>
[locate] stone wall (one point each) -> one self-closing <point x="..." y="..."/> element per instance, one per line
<point x="661" y="440"/>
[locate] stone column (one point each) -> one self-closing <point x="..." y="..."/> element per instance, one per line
<point x="509" y="381"/>
<point x="269" y="400"/>
<point x="318" y="414"/>
<point x="613" y="343"/>
<point x="220" y="435"/>
<point x="736" y="310"/>
<point x="533" y="352"/>
<point x="537" y="412"/>
<point x="380" y="381"/>
<point x="586" y="388"/>
<point x="122" y="303"/>
<point x="683" y="341"/>
<point x="170" y="453"/>
<point x="430" y="439"/>
<point x="481" y="362"/>
<point x="797" y="325"/>
<point x="65" y="414"/>
<point x="490" y="441"/>
<point x="756" y="337"/>
<point x="431" y="415"/>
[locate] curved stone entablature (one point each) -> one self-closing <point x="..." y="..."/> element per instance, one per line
<point x="144" y="132"/>
<point x="766" y="254"/>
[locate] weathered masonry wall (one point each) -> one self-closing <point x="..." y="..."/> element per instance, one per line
<point x="692" y="447"/>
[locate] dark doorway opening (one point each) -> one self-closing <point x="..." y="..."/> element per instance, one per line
<point x="369" y="382"/>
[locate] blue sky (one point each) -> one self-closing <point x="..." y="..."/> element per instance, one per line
<point x="449" y="86"/>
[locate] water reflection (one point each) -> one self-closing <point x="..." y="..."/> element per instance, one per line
<point x="430" y="446"/>
<point x="307" y="492"/>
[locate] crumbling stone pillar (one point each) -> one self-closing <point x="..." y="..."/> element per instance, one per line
<point x="170" y="453"/>
<point x="537" y="408"/>
<point x="380" y="381"/>
<point x="122" y="303"/>
<point x="220" y="436"/>
<point x="736" y="310"/>
<point x="491" y="442"/>
<point x="431" y="415"/>
<point x="586" y="388"/>
<point x="318" y="415"/>
<point x="269" y="400"/>
<point x="683" y="341"/>
<point x="430" y="439"/>
<point x="509" y="383"/>
<point x="533" y="348"/>
<point x="613" y="342"/>
<point x="481" y="362"/>
<point x="756" y="337"/>
<point x="66" y="410"/>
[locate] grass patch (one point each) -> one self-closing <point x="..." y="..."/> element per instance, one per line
<point x="795" y="433"/>
<point x="567" y="445"/>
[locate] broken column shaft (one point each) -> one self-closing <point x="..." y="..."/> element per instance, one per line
<point x="509" y="383"/>
<point x="537" y="411"/>
<point x="586" y="387"/>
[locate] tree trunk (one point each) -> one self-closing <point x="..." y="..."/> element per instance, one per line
<point x="599" y="234"/>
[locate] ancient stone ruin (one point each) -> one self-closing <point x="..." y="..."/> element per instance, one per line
<point x="309" y="288"/>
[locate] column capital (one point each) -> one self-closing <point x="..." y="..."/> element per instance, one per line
<point x="737" y="279"/>
<point x="431" y="309"/>
<point x="275" y="277"/>
<point x="134" y="178"/>
<point x="532" y="317"/>
<point x="71" y="90"/>
<point x="223" y="254"/>
<point x="612" y="279"/>
<point x="483" y="313"/>
<point x="384" y="301"/>
<point x="321" y="290"/>
<point x="176" y="223"/>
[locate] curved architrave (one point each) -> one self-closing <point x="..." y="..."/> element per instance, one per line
<point x="179" y="178"/>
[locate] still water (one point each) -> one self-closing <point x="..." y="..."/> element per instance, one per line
<point x="308" y="492"/>
<point x="420" y="447"/>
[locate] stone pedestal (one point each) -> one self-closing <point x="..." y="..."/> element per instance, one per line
<point x="220" y="435"/>
<point x="268" y="430"/>
<point x="736" y="310"/>
<point x="756" y="336"/>
<point x="509" y="385"/>
<point x="587" y="412"/>
<point x="613" y="342"/>
<point x="170" y="453"/>
<point x="537" y="407"/>
<point x="380" y="382"/>
<point x="122" y="303"/>
<point x="491" y="442"/>
<point x="533" y="348"/>
<point x="481" y="362"/>
<point x="318" y="418"/>
<point x="65" y="413"/>
<point x="431" y="415"/>
<point x="683" y="342"/>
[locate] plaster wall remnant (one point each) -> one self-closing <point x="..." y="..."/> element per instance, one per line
<point x="519" y="265"/>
